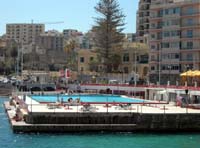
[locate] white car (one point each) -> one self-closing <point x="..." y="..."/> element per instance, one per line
<point x="5" y="80"/>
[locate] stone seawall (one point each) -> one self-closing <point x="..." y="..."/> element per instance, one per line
<point x="5" y="89"/>
<point x="76" y="122"/>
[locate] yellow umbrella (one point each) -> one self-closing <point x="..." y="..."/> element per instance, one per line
<point x="196" y="73"/>
<point x="188" y="73"/>
<point x="183" y="74"/>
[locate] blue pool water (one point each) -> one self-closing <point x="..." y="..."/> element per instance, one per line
<point x="8" y="139"/>
<point x="85" y="98"/>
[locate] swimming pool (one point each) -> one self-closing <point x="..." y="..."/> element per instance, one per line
<point x="85" y="98"/>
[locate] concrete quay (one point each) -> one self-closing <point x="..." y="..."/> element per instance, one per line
<point x="135" y="119"/>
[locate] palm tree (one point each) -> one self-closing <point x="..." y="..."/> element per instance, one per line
<point x="71" y="54"/>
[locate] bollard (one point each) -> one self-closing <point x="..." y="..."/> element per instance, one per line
<point x="164" y="109"/>
<point x="186" y="109"/>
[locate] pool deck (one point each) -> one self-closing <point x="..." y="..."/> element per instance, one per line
<point x="159" y="108"/>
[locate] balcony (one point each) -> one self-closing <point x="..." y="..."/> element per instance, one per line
<point x="155" y="18"/>
<point x="190" y="48"/>
<point x="171" y="27"/>
<point x="190" y="25"/>
<point x="158" y="28"/>
<point x="186" y="14"/>
<point x="190" y="37"/>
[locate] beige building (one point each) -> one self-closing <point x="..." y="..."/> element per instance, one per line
<point x="85" y="57"/>
<point x="24" y="33"/>
<point x="134" y="61"/>
<point x="174" y="39"/>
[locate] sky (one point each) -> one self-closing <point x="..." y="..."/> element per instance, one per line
<point x="72" y="14"/>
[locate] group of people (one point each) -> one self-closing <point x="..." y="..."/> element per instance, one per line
<point x="70" y="100"/>
<point x="77" y="100"/>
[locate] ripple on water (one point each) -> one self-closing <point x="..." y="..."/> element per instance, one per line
<point x="8" y="139"/>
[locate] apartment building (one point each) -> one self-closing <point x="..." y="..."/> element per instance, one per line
<point x="50" y="40"/>
<point x="174" y="39"/>
<point x="24" y="33"/>
<point x="52" y="43"/>
<point x="69" y="33"/>
<point x="142" y="23"/>
<point x="130" y="37"/>
<point x="2" y="49"/>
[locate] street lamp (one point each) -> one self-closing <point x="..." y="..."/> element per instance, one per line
<point x="186" y="68"/>
<point x="121" y="72"/>
<point x="169" y="68"/>
<point x="135" y="81"/>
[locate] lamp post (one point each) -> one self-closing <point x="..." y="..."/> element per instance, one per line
<point x="81" y="75"/>
<point x="159" y="65"/>
<point x="169" y="68"/>
<point x="135" y="81"/>
<point x="186" y="68"/>
<point x="135" y="75"/>
<point x="121" y="72"/>
<point x="17" y="69"/>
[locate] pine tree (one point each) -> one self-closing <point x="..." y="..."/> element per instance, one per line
<point x="108" y="33"/>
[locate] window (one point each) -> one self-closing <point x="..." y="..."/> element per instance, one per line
<point x="153" y="36"/>
<point x="166" y="11"/>
<point x="144" y="58"/>
<point x="175" y="44"/>
<point x="190" y="10"/>
<point x="160" y="13"/>
<point x="189" y="45"/>
<point x="153" y="58"/>
<point x="163" y="67"/>
<point x="189" y="33"/>
<point x="159" y="25"/>
<point x="166" y="34"/>
<point x="152" y="67"/>
<point x="126" y="57"/>
<point x="175" y="33"/>
<point x="190" y="21"/>
<point x="153" y="25"/>
<point x="125" y="69"/>
<point x="165" y="45"/>
<point x="190" y="57"/>
<point x="82" y="59"/>
<point x="159" y="35"/>
<point x="174" y="22"/>
<point x="176" y="56"/>
<point x="176" y="10"/>
<point x="91" y="58"/>
<point x="153" y="47"/>
<point x="165" y="56"/>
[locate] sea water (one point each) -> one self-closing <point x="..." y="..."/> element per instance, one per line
<point x="8" y="139"/>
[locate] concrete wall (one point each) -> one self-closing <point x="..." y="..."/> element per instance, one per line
<point x="75" y="122"/>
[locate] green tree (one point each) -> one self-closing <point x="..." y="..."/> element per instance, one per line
<point x="108" y="32"/>
<point x="71" y="55"/>
<point x="93" y="65"/>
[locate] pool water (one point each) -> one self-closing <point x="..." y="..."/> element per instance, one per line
<point x="85" y="98"/>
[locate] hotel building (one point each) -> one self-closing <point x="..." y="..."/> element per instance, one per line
<point x="142" y="23"/>
<point x="174" y="39"/>
<point x="24" y="33"/>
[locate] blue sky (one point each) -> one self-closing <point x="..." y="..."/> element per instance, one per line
<point x="76" y="14"/>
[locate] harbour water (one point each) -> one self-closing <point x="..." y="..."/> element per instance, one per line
<point x="8" y="139"/>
